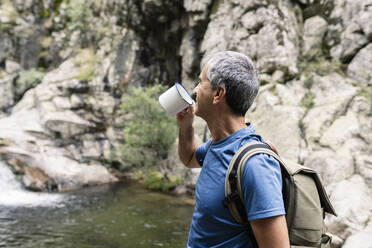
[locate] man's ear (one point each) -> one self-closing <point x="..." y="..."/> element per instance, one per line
<point x="219" y="95"/>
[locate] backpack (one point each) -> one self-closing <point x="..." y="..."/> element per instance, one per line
<point x="305" y="199"/>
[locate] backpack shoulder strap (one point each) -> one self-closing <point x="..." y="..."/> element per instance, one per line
<point x="233" y="192"/>
<point x="234" y="174"/>
<point x="236" y="168"/>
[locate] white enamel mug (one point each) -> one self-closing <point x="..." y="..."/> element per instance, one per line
<point x="175" y="99"/>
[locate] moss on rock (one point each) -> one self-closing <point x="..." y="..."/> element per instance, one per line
<point x="155" y="180"/>
<point x="27" y="80"/>
<point x="85" y="60"/>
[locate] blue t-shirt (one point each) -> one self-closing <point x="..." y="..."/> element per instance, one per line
<point x="212" y="224"/>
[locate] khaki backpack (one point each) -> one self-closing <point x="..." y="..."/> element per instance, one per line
<point x="305" y="199"/>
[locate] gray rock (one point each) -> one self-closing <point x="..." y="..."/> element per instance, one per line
<point x="275" y="131"/>
<point x="48" y="127"/>
<point x="353" y="203"/>
<point x="66" y="71"/>
<point x="291" y="93"/>
<point x="91" y="149"/>
<point x="354" y="30"/>
<point x="275" y="51"/>
<point x="341" y="130"/>
<point x="62" y="102"/>
<point x="12" y="67"/>
<point x="197" y="11"/>
<point x="66" y="123"/>
<point x="314" y="30"/>
<point x="6" y="91"/>
<point x="190" y="60"/>
<point x="7" y="46"/>
<point x="360" y="68"/>
<point x="26" y="103"/>
<point x="361" y="239"/>
<point x="364" y="21"/>
<point x="361" y="105"/>
<point x="263" y="34"/>
<point x="331" y="98"/>
<point x="29" y="144"/>
<point x="351" y="42"/>
<point x="332" y="167"/>
<point x="195" y="5"/>
<point x="364" y="167"/>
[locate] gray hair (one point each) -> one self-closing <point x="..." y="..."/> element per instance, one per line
<point x="235" y="73"/>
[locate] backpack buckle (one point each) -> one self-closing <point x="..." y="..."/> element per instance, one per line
<point x="230" y="198"/>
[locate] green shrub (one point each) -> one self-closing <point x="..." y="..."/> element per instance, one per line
<point x="8" y="11"/>
<point x="79" y="12"/>
<point x="149" y="131"/>
<point x="321" y="66"/>
<point x="27" y="80"/>
<point x="85" y="61"/>
<point x="155" y="180"/>
<point x="309" y="80"/>
<point x="308" y="100"/>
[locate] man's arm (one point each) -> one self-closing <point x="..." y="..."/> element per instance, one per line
<point x="262" y="188"/>
<point x="187" y="143"/>
<point x="271" y="232"/>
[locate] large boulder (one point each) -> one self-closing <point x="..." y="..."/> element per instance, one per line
<point x="360" y="68"/>
<point x="27" y="147"/>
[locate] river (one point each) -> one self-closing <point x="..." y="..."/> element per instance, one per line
<point x="107" y="216"/>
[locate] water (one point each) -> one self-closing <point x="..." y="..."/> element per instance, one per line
<point x="108" y="216"/>
<point x="12" y="194"/>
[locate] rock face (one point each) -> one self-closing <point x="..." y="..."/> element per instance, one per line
<point x="64" y="66"/>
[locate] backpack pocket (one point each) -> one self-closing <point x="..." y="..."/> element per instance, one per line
<point x="307" y="225"/>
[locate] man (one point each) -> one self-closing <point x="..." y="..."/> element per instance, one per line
<point x="227" y="87"/>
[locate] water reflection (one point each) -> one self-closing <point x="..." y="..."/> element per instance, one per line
<point x="119" y="215"/>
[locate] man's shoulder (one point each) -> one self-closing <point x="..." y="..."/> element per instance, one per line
<point x="260" y="159"/>
<point x="261" y="164"/>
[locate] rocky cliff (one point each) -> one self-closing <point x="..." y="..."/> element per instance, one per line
<point x="65" y="64"/>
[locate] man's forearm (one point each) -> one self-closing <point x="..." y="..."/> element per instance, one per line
<point x="271" y="232"/>
<point x="187" y="145"/>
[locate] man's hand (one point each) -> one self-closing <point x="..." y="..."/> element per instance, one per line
<point x="185" y="118"/>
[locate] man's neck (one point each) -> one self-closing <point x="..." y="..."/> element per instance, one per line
<point x="223" y="126"/>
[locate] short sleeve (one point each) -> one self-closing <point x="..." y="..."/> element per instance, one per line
<point x="201" y="151"/>
<point x="262" y="187"/>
